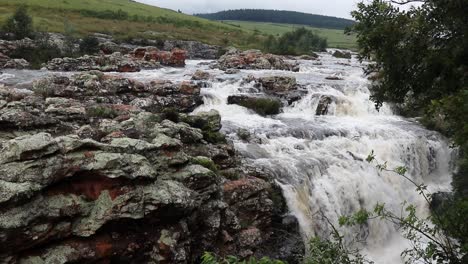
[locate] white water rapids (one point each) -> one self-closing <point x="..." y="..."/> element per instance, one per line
<point x="320" y="160"/>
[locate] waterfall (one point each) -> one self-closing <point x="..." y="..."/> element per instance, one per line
<point x="320" y="160"/>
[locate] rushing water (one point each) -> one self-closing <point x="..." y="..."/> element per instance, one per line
<point x="320" y="160"/>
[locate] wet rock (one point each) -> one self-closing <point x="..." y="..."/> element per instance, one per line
<point x="323" y="105"/>
<point x="253" y="59"/>
<point x="342" y="54"/>
<point x="334" y="78"/>
<point x="201" y="75"/>
<point x="261" y="105"/>
<point x="440" y="200"/>
<point x="210" y="120"/>
<point x="232" y="71"/>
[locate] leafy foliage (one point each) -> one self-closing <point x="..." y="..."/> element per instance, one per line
<point x="89" y="45"/>
<point x="277" y="16"/>
<point x="20" y="23"/>
<point x="333" y="250"/>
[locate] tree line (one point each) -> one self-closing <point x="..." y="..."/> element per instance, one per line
<point x="278" y="16"/>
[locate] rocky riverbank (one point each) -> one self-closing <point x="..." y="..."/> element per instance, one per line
<point x="101" y="168"/>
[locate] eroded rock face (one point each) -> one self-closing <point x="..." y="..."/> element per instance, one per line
<point x="253" y="59"/>
<point x="92" y="171"/>
<point x="115" y="62"/>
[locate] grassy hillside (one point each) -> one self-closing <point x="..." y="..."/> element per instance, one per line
<point x="87" y="16"/>
<point x="124" y="19"/>
<point x="336" y="38"/>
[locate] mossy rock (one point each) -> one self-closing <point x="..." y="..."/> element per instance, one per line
<point x="205" y="162"/>
<point x="261" y="105"/>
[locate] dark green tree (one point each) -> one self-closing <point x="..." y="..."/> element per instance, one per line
<point x="89" y="45"/>
<point x="20" y="24"/>
<point x="420" y="63"/>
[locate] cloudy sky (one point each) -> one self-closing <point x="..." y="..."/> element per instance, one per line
<point x="339" y="8"/>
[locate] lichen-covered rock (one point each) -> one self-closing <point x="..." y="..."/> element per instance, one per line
<point x="18" y="64"/>
<point x="253" y="59"/>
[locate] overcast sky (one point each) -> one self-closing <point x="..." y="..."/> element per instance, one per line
<point x="338" y="8"/>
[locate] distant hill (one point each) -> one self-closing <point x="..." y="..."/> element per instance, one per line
<point x="278" y="16"/>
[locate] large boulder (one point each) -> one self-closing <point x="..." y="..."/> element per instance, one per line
<point x="200" y="75"/>
<point x="261" y="105"/>
<point x="342" y="54"/>
<point x="324" y="103"/>
<point x="253" y="59"/>
<point x="277" y="84"/>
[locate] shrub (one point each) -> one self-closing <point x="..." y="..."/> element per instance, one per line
<point x="209" y="258"/>
<point x="42" y="88"/>
<point x="171" y="114"/>
<point x="102" y="112"/>
<point x="20" y="23"/>
<point x="41" y="53"/>
<point x="89" y="45"/>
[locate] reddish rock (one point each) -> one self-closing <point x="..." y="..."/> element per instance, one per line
<point x="139" y="53"/>
<point x="175" y="58"/>
<point x="178" y="57"/>
<point x="189" y="88"/>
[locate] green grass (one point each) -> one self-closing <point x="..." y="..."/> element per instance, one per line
<point x="336" y="38"/>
